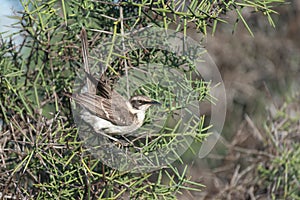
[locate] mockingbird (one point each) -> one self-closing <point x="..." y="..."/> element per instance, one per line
<point x="109" y="112"/>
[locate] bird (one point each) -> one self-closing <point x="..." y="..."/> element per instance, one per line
<point x="109" y="112"/>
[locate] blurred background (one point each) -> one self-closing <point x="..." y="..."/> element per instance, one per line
<point x="262" y="79"/>
<point x="9" y="9"/>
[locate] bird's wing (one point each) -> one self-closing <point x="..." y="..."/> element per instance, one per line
<point x="103" y="89"/>
<point x="109" y="109"/>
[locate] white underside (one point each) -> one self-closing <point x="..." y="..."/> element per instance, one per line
<point x="103" y="126"/>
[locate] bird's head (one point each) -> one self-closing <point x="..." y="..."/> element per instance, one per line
<point x="141" y="102"/>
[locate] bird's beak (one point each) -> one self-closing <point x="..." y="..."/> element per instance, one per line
<point x="154" y="103"/>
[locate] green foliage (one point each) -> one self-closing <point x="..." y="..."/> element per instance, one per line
<point x="42" y="156"/>
<point x="281" y="173"/>
<point x="201" y="15"/>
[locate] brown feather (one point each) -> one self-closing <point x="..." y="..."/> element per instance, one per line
<point x="109" y="109"/>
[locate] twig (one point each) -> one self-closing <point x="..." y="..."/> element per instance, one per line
<point x="124" y="50"/>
